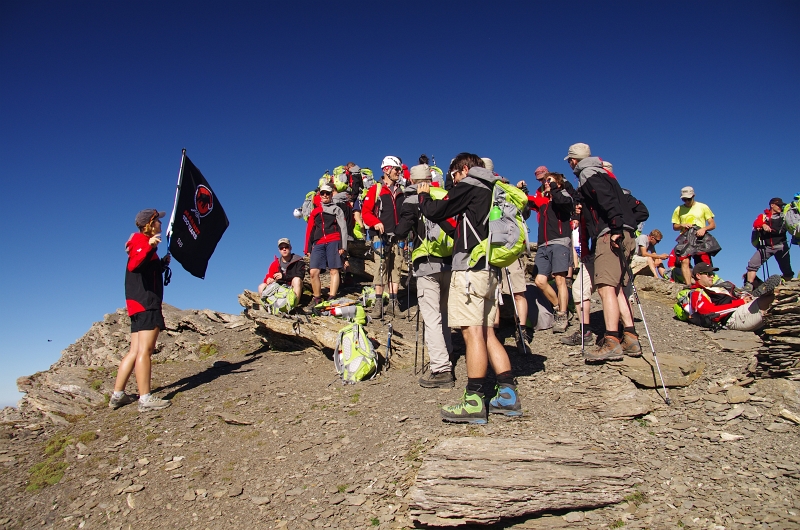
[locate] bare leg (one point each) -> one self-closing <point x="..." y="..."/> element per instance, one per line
<point x="147" y="344"/>
<point x="477" y="356"/>
<point x="297" y="287"/>
<point x="625" y="311"/>
<point x="316" y="287"/>
<point x="544" y="286"/>
<point x="498" y="357"/>
<point x="334" y="282"/>
<point x="522" y="308"/>
<point x="609" y="294"/>
<point x="126" y="364"/>
<point x="687" y="271"/>
<point x="563" y="295"/>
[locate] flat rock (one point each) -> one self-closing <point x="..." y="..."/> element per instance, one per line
<point x="458" y="482"/>
<point x="260" y="501"/>
<point x="611" y="396"/>
<point x="737" y="394"/>
<point x="678" y="371"/>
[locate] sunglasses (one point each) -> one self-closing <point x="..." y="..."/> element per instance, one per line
<point x="323" y="193"/>
<point x="284" y="247"/>
<point x="705" y="274"/>
<point x="686" y="200"/>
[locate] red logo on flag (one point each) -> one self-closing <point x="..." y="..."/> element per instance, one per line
<point x="203" y="200"/>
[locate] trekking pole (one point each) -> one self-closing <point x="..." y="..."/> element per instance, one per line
<point x="627" y="266"/>
<point x="416" y="344"/>
<point x="521" y="343"/>
<point x="388" y="363"/>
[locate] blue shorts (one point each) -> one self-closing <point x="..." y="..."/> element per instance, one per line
<point x="326" y="256"/>
<point x="552" y="259"/>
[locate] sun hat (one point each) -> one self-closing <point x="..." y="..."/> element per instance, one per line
<point x="145" y="216"/>
<point x="420" y="172"/>
<point x="578" y="151"/>
<point x="541" y="170"/>
<point x="608" y="165"/>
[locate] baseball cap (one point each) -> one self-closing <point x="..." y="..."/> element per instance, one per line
<point x="540" y="171"/>
<point x="778" y="201"/>
<point x="701" y="268"/>
<point x="284" y="241"/>
<point x="578" y="151"/>
<point x="326" y="187"/>
<point x="687" y="192"/>
<point x="145" y="216"/>
<point x="487" y="162"/>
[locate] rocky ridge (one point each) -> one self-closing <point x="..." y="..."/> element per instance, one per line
<point x="261" y="434"/>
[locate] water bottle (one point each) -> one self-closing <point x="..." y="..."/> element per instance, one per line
<point x="495" y="213"/>
<point x="378" y="244"/>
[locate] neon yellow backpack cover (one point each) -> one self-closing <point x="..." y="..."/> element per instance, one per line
<point x="508" y="234"/>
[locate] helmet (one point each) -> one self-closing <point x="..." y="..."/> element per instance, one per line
<point x="391" y="161"/>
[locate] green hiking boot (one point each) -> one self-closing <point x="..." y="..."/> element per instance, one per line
<point x="471" y="409"/>
<point x="505" y="401"/>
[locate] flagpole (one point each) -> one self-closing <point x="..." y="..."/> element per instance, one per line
<point x="177" y="193"/>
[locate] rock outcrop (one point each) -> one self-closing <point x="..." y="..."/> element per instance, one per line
<point x="779" y="355"/>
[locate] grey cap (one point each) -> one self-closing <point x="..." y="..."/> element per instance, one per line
<point x="284" y="241"/>
<point x="145" y="216"/>
<point x="578" y="152"/>
<point x="420" y="172"/>
<point x="687" y="192"/>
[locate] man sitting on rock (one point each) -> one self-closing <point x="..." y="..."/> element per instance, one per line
<point x="288" y="269"/>
<point x="723" y="306"/>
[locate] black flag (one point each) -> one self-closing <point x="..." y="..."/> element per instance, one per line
<point x="198" y="221"/>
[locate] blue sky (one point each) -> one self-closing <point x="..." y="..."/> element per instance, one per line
<point x="98" y="98"/>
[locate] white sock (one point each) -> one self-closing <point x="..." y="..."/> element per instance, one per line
<point x="144" y="397"/>
<point x="119" y="393"/>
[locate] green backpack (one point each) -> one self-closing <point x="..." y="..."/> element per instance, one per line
<point x="791" y="216"/>
<point x="278" y="299"/>
<point x="368" y="296"/>
<point x="508" y="235"/>
<point x="683" y="307"/>
<point x="354" y="357"/>
<point x="434" y="242"/>
<point x="308" y="205"/>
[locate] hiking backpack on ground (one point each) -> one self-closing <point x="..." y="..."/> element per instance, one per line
<point x="508" y="235"/>
<point x="278" y="299"/>
<point x="354" y="357"/>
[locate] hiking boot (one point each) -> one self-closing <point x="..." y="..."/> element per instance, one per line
<point x="609" y="350"/>
<point x="768" y="286"/>
<point x="124" y="399"/>
<point x="152" y="403"/>
<point x="378" y="308"/>
<point x="438" y="380"/>
<point x="575" y="338"/>
<point x="630" y="345"/>
<point x="471" y="409"/>
<point x="505" y="401"/>
<point x="747" y="287"/>
<point x="560" y="322"/>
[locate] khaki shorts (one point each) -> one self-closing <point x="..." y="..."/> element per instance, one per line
<point x="473" y="306"/>
<point x="587" y="272"/>
<point x="607" y="263"/>
<point x="392" y="265"/>
<point x="746" y="318"/>
<point x="517" y="271"/>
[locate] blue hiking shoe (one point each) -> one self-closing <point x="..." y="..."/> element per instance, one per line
<point x="471" y="409"/>
<point x="506" y="401"/>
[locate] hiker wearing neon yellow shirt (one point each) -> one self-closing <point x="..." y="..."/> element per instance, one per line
<point x="692" y="214"/>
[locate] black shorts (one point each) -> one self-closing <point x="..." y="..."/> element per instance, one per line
<point x="147" y="320"/>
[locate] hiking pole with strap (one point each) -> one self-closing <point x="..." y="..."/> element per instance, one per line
<point x="416" y="344"/>
<point x="627" y="268"/>
<point x="521" y="343"/>
<point x="388" y="362"/>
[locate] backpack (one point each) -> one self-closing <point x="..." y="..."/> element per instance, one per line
<point x="434" y="242"/>
<point x="791" y="217"/>
<point x="277" y="298"/>
<point x="354" y="357"/>
<point x="684" y="312"/>
<point x="308" y="205"/>
<point x="508" y="235"/>
<point x="368" y="180"/>
<point x="368" y="296"/>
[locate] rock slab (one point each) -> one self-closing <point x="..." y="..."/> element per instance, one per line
<point x="458" y="482"/>
<point x="678" y="371"/>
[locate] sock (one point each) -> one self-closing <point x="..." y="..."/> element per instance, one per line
<point x="616" y="334"/>
<point x="476" y="384"/>
<point x="144" y="397"/>
<point x="631" y="330"/>
<point x="506" y="378"/>
<point x="119" y="393"/>
<point x="392" y="297"/>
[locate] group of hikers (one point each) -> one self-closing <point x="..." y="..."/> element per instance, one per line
<point x="462" y="236"/>
<point x="440" y="223"/>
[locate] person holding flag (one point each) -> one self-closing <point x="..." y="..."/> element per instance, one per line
<point x="144" y="291"/>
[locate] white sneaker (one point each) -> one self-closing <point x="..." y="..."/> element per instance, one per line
<point x="124" y="399"/>
<point x="152" y="403"/>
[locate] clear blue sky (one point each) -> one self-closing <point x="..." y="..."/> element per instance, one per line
<point x="98" y="98"/>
